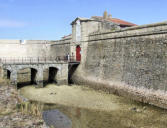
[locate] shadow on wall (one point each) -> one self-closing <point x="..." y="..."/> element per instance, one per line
<point x="26" y="76"/>
<point x="72" y="69"/>
<point x="50" y="75"/>
<point x="8" y="74"/>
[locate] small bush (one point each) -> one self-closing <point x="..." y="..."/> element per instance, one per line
<point x="31" y="108"/>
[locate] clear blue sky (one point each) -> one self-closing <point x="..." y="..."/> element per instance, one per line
<point x="50" y="19"/>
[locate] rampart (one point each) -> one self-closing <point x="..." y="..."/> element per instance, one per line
<point x="61" y="47"/>
<point x="28" y="48"/>
<point x="131" y="62"/>
<point x="34" y="48"/>
<point x="14" y="50"/>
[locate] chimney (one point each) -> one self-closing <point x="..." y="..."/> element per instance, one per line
<point x="105" y="16"/>
<point x="109" y="16"/>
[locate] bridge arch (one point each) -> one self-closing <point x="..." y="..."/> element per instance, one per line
<point x="57" y="73"/>
<point x="7" y="73"/>
<point x="50" y="74"/>
<point x="29" y="66"/>
<point x="26" y="76"/>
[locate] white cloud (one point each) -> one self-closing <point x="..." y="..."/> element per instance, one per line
<point x="11" y="24"/>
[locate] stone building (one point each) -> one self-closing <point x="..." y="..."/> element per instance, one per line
<point x="72" y="44"/>
<point x="75" y="44"/>
<point x="116" y="55"/>
<point x="82" y="27"/>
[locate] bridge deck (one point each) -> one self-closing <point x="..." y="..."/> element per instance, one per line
<point x="41" y="62"/>
<point x="74" y="62"/>
<point x="38" y="60"/>
<point x="61" y="68"/>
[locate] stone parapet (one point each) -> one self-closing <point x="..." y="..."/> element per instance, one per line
<point x="144" y="30"/>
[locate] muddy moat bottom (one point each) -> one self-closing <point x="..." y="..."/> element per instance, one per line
<point x="88" y="108"/>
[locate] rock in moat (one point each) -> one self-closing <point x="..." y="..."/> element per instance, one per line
<point x="56" y="119"/>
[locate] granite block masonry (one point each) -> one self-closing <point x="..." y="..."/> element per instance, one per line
<point x="131" y="62"/>
<point x="60" y="75"/>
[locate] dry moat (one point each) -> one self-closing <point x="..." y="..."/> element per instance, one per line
<point x="88" y="108"/>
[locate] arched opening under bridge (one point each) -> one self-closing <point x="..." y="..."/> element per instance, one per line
<point x="50" y="75"/>
<point x="26" y="76"/>
<point x="8" y="74"/>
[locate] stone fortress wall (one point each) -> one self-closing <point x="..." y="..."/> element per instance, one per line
<point x="18" y="49"/>
<point x="61" y="47"/>
<point x="28" y="48"/>
<point x="131" y="62"/>
<point x="33" y="48"/>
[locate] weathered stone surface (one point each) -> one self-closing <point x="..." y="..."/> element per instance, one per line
<point x="61" y="50"/>
<point x="61" y="75"/>
<point x="138" y="61"/>
<point x="131" y="63"/>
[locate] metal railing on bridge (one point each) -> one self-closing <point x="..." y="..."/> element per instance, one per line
<point x="32" y="60"/>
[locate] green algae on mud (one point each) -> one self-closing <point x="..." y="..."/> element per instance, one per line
<point x="88" y="108"/>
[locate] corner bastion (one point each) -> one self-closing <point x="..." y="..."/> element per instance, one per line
<point x="130" y="62"/>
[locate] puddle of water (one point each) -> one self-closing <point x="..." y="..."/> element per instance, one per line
<point x="92" y="109"/>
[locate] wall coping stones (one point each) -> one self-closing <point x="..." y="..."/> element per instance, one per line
<point x="130" y="28"/>
<point x="144" y="30"/>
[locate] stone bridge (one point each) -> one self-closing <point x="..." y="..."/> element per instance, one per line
<point x="58" y="71"/>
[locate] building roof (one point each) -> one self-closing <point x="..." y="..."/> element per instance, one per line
<point x="120" y="22"/>
<point x="81" y="19"/>
<point x="115" y="20"/>
<point x="67" y="36"/>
